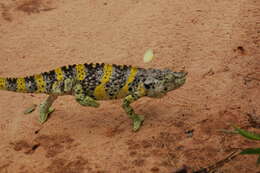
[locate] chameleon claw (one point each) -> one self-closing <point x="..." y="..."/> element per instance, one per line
<point x="51" y="110"/>
<point x="84" y="100"/>
<point x="95" y="104"/>
<point x="88" y="102"/>
<point x="137" y="122"/>
<point x="45" y="108"/>
<point x="44" y="115"/>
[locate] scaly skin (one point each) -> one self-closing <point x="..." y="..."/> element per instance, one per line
<point x="89" y="83"/>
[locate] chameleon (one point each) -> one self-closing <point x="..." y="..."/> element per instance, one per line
<point x="91" y="82"/>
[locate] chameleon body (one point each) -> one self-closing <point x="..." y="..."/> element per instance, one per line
<point x="89" y="83"/>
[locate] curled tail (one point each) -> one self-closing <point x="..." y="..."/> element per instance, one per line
<point x="30" y="84"/>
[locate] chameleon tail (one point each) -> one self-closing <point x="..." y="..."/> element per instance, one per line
<point x="2" y="83"/>
<point x="13" y="84"/>
<point x="30" y="84"/>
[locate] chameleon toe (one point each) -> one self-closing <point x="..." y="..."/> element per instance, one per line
<point x="137" y="122"/>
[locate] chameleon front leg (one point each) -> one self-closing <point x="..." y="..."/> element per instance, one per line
<point x="137" y="119"/>
<point x="45" y="108"/>
<point x="82" y="99"/>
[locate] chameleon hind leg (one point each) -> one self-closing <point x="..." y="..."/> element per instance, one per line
<point x="137" y="119"/>
<point x="82" y="99"/>
<point x="45" y="108"/>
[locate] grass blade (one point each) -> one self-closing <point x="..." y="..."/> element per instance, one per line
<point x="247" y="134"/>
<point x="251" y="151"/>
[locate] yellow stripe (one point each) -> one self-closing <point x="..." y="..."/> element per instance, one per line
<point x="100" y="92"/>
<point x="80" y="68"/>
<point x="59" y="74"/>
<point x="2" y="83"/>
<point x="141" y="90"/>
<point x="40" y="83"/>
<point x="20" y="82"/>
<point x="124" y="91"/>
<point x="93" y="65"/>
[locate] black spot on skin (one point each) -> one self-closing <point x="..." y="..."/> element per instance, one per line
<point x="147" y="86"/>
<point x="30" y="83"/>
<point x="49" y="76"/>
<point x="68" y="71"/>
<point x="11" y="84"/>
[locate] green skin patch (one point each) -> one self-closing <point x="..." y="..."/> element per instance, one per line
<point x="45" y="108"/>
<point x="137" y="119"/>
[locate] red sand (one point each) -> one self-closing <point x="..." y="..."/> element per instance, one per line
<point x="216" y="41"/>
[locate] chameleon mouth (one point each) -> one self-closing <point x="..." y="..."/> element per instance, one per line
<point x="180" y="78"/>
<point x="181" y="74"/>
<point x="181" y="81"/>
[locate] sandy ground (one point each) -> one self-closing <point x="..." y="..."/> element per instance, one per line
<point x="216" y="41"/>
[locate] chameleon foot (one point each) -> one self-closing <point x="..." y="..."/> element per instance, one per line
<point x="45" y="108"/>
<point x="137" y="119"/>
<point x="44" y="115"/>
<point x="82" y="99"/>
<point x="87" y="101"/>
<point x="137" y="122"/>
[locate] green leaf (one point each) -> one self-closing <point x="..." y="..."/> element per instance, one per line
<point x="251" y="151"/>
<point x="247" y="134"/>
<point x="148" y="55"/>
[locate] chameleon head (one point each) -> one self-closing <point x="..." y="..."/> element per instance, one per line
<point x="159" y="82"/>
